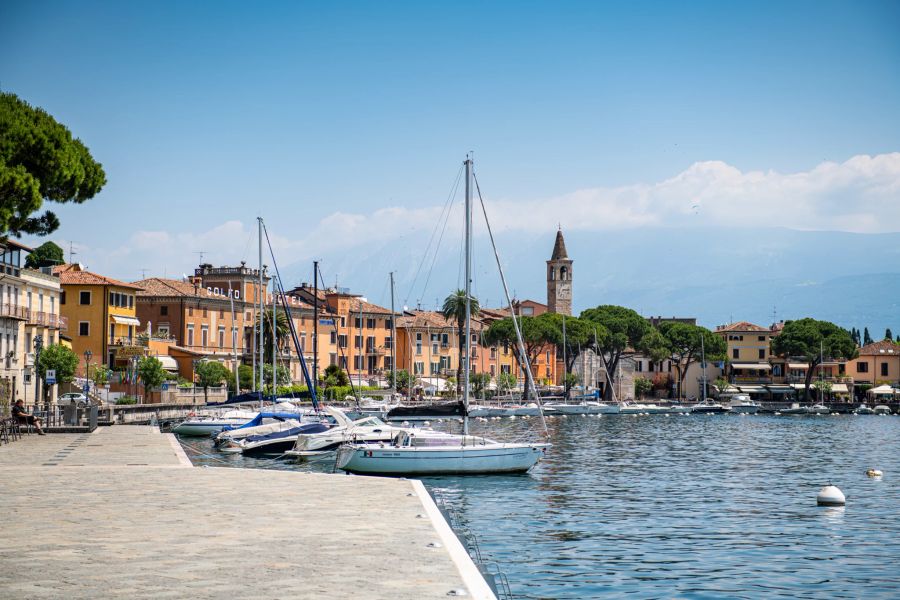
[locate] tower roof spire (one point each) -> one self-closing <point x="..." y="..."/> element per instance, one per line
<point x="559" y="248"/>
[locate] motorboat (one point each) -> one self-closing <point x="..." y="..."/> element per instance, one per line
<point x="819" y="409"/>
<point x="742" y="404"/>
<point x="277" y="442"/>
<point x="368" y="430"/>
<point x="882" y="409"/>
<point x="635" y="408"/>
<point x="795" y="409"/>
<point x="206" y="425"/>
<point x="259" y="426"/>
<point x="412" y="453"/>
<point x="708" y="407"/>
<point x="862" y="409"/>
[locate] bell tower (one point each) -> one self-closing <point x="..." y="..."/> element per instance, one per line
<point x="559" y="278"/>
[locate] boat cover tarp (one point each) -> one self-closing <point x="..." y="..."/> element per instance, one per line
<point x="242" y="432"/>
<point x="305" y="428"/>
<point x="258" y="419"/>
<point x="444" y="409"/>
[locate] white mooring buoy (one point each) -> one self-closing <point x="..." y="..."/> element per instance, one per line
<point x="876" y="473"/>
<point x="830" y="495"/>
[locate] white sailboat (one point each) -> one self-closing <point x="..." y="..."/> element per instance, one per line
<point x="412" y="453"/>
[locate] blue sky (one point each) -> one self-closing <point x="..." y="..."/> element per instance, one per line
<point x="206" y="115"/>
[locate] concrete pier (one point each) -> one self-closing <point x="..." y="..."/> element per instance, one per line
<point x="120" y="513"/>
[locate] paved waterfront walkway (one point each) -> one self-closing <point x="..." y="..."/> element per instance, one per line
<point x="121" y="514"/>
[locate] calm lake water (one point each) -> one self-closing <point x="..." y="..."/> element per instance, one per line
<point x="683" y="506"/>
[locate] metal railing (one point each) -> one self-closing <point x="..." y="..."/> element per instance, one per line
<point x="14" y="311"/>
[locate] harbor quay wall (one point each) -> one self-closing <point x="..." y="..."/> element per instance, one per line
<point x="122" y="513"/>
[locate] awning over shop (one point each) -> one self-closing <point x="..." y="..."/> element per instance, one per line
<point x="798" y="366"/>
<point x="753" y="389"/>
<point x="753" y="366"/>
<point x="882" y="390"/>
<point x="123" y="320"/>
<point x="840" y="388"/>
<point x="799" y="386"/>
<point x="780" y="389"/>
<point x="168" y="363"/>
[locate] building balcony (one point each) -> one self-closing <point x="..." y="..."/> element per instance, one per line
<point x="46" y="319"/>
<point x="123" y="341"/>
<point x="14" y="311"/>
<point x="377" y="351"/>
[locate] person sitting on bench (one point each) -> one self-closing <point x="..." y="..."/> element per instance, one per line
<point x="19" y="414"/>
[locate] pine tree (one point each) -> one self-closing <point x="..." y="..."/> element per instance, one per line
<point x="867" y="339"/>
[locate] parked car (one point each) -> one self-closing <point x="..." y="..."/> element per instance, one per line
<point x="76" y="399"/>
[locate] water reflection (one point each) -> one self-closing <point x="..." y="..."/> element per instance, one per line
<point x="700" y="506"/>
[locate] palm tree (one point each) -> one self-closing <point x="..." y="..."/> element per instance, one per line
<point x="455" y="309"/>
<point x="281" y="328"/>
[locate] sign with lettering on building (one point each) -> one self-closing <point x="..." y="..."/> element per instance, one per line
<point x="129" y="351"/>
<point x="51" y="376"/>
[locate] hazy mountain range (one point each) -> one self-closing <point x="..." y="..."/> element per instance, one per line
<point x="715" y="275"/>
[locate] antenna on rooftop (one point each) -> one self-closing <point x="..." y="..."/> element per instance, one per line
<point x="144" y="273"/>
<point x="774" y="315"/>
<point x="201" y="253"/>
<point x="71" y="251"/>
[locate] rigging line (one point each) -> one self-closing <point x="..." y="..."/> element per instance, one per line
<point x="453" y="190"/>
<point x="434" y="257"/>
<point x="512" y="310"/>
<point x="337" y="339"/>
<point x="310" y="384"/>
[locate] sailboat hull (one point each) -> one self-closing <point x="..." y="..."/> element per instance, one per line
<point x="492" y="458"/>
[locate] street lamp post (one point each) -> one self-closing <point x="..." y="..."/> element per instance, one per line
<point x="87" y="372"/>
<point x="38" y="343"/>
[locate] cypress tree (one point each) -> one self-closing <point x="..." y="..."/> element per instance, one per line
<point x="867" y="339"/>
<point x="887" y="334"/>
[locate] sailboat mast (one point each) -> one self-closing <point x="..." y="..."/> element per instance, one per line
<point x="315" y="339"/>
<point x="274" y="340"/>
<point x="237" y="380"/>
<point x="703" y="360"/>
<point x="467" y="344"/>
<point x="565" y="369"/>
<point x="393" y="341"/>
<point x="262" y="291"/>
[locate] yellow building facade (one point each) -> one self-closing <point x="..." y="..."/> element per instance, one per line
<point x="102" y="316"/>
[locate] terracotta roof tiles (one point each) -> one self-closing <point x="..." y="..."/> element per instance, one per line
<point x="77" y="277"/>
<point x="742" y="326"/>
<point x="882" y="348"/>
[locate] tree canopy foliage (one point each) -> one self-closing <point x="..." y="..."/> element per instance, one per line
<point x="335" y="376"/>
<point x="813" y="341"/>
<point x="454" y="309"/>
<point x="578" y="336"/>
<point x="58" y="358"/>
<point x="211" y="373"/>
<point x="686" y="344"/>
<point x="151" y="372"/>
<point x="45" y="255"/>
<point x="40" y="160"/>
<point x="624" y="329"/>
<point x="537" y="332"/>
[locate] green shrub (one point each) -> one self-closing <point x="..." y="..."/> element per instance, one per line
<point x="127" y="400"/>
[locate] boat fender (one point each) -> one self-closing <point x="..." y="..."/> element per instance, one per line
<point x="874" y="473"/>
<point x="830" y="495"/>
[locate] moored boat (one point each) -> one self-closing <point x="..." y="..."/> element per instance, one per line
<point x="742" y="404"/>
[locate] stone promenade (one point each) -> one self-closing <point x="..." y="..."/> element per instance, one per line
<point x="120" y="513"/>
